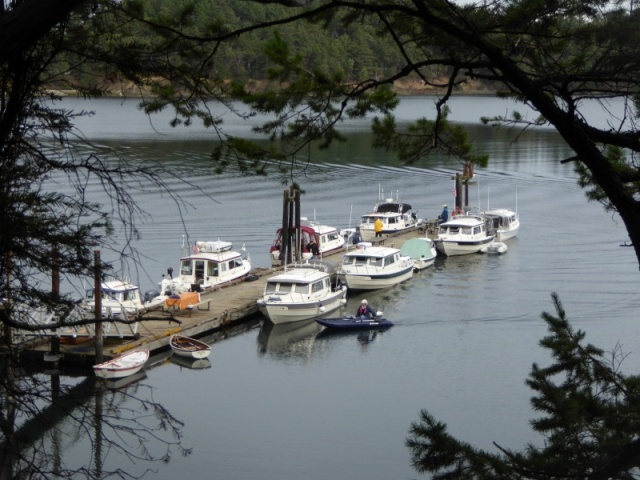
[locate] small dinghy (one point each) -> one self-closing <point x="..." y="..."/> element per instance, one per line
<point x="355" y="323"/>
<point x="496" y="248"/>
<point x="189" y="347"/>
<point x="123" y="366"/>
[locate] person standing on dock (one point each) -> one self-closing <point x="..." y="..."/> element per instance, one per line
<point x="444" y="216"/>
<point x="377" y="226"/>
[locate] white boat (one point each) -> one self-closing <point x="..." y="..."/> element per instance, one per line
<point x="300" y="293"/>
<point x="120" y="300"/>
<point x="421" y="250"/>
<point x="211" y="264"/>
<point x="189" y="347"/>
<point x="506" y="223"/>
<point x="316" y="240"/>
<point x="396" y="217"/>
<point x="496" y="248"/>
<point x="463" y="234"/>
<point x="122" y="366"/>
<point x="371" y="268"/>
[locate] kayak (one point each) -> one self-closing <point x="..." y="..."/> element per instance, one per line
<point x="353" y="323"/>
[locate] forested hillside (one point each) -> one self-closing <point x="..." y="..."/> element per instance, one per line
<point x="354" y="51"/>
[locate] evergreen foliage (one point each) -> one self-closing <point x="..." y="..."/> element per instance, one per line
<point x="589" y="420"/>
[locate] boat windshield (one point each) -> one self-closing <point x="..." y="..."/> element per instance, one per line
<point x="186" y="268"/>
<point x="355" y="260"/>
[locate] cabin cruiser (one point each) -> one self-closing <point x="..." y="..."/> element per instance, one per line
<point x="317" y="240"/>
<point x="301" y="293"/>
<point x="371" y="268"/>
<point x="464" y="234"/>
<point x="421" y="250"/>
<point x="396" y="217"/>
<point x="211" y="264"/>
<point x="505" y="222"/>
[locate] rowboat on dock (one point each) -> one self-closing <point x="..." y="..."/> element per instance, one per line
<point x="122" y="366"/>
<point x="189" y="347"/>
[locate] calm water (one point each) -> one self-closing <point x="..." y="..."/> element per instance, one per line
<point x="290" y="403"/>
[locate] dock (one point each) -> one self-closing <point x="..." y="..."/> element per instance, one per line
<point x="222" y="308"/>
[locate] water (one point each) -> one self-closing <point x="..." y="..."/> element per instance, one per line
<point x="290" y="403"/>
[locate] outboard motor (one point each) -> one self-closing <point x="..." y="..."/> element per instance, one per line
<point x="150" y="295"/>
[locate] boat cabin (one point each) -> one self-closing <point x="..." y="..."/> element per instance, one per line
<point x="316" y="239"/>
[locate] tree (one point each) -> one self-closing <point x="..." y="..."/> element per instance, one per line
<point x="590" y="420"/>
<point x="552" y="56"/>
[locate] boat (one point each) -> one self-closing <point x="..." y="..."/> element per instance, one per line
<point x="316" y="241"/>
<point x="210" y="265"/>
<point x="497" y="248"/>
<point x="464" y="234"/>
<point x="120" y="300"/>
<point x="301" y="292"/>
<point x="371" y="268"/>
<point x="421" y="250"/>
<point x="189" y="347"/>
<point x="354" y="323"/>
<point x="506" y="223"/>
<point x="122" y="366"/>
<point x="396" y="217"/>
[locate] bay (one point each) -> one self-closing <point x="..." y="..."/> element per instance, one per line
<point x="294" y="403"/>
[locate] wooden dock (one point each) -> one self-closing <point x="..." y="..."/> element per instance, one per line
<point x="219" y="309"/>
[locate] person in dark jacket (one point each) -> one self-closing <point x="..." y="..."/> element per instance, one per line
<point x="364" y="310"/>
<point x="444" y="216"/>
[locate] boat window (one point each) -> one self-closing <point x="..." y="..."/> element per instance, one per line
<point x="316" y="286"/>
<point x="271" y="287"/>
<point x="223" y="267"/>
<point x="212" y="269"/>
<point x="378" y="261"/>
<point x="454" y="230"/>
<point x="391" y="220"/>
<point x="185" y="268"/>
<point x="199" y="268"/>
<point x="128" y="296"/>
<point x="89" y="293"/>
<point x="332" y="236"/>
<point x="327" y="283"/>
<point x="286" y="288"/>
<point x="360" y="260"/>
<point x="235" y="263"/>
<point x="368" y="220"/>
<point x="390" y="260"/>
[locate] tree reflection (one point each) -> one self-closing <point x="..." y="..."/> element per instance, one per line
<point x="54" y="426"/>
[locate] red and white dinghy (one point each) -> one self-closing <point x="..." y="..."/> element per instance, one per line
<point x="189" y="347"/>
<point x="122" y="366"/>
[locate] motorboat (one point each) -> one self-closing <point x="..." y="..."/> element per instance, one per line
<point x="189" y="347"/>
<point x="316" y="241"/>
<point x="120" y="300"/>
<point x="421" y="250"/>
<point x="355" y="323"/>
<point x="122" y="366"/>
<point x="211" y="264"/>
<point x="506" y="223"/>
<point x="396" y="217"/>
<point x="464" y="234"/>
<point x="301" y="293"/>
<point x="371" y="268"/>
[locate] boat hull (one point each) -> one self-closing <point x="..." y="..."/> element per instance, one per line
<point x="122" y="366"/>
<point x="354" y="323"/>
<point x="452" y="248"/>
<point x="372" y="280"/>
<point x="287" y="312"/>
<point x="187" y="347"/>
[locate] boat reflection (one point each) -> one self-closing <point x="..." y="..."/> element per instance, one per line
<point x="125" y="382"/>
<point x="191" y="363"/>
<point x="287" y="340"/>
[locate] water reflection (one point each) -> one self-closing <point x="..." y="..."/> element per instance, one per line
<point x="288" y="340"/>
<point x="191" y="363"/>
